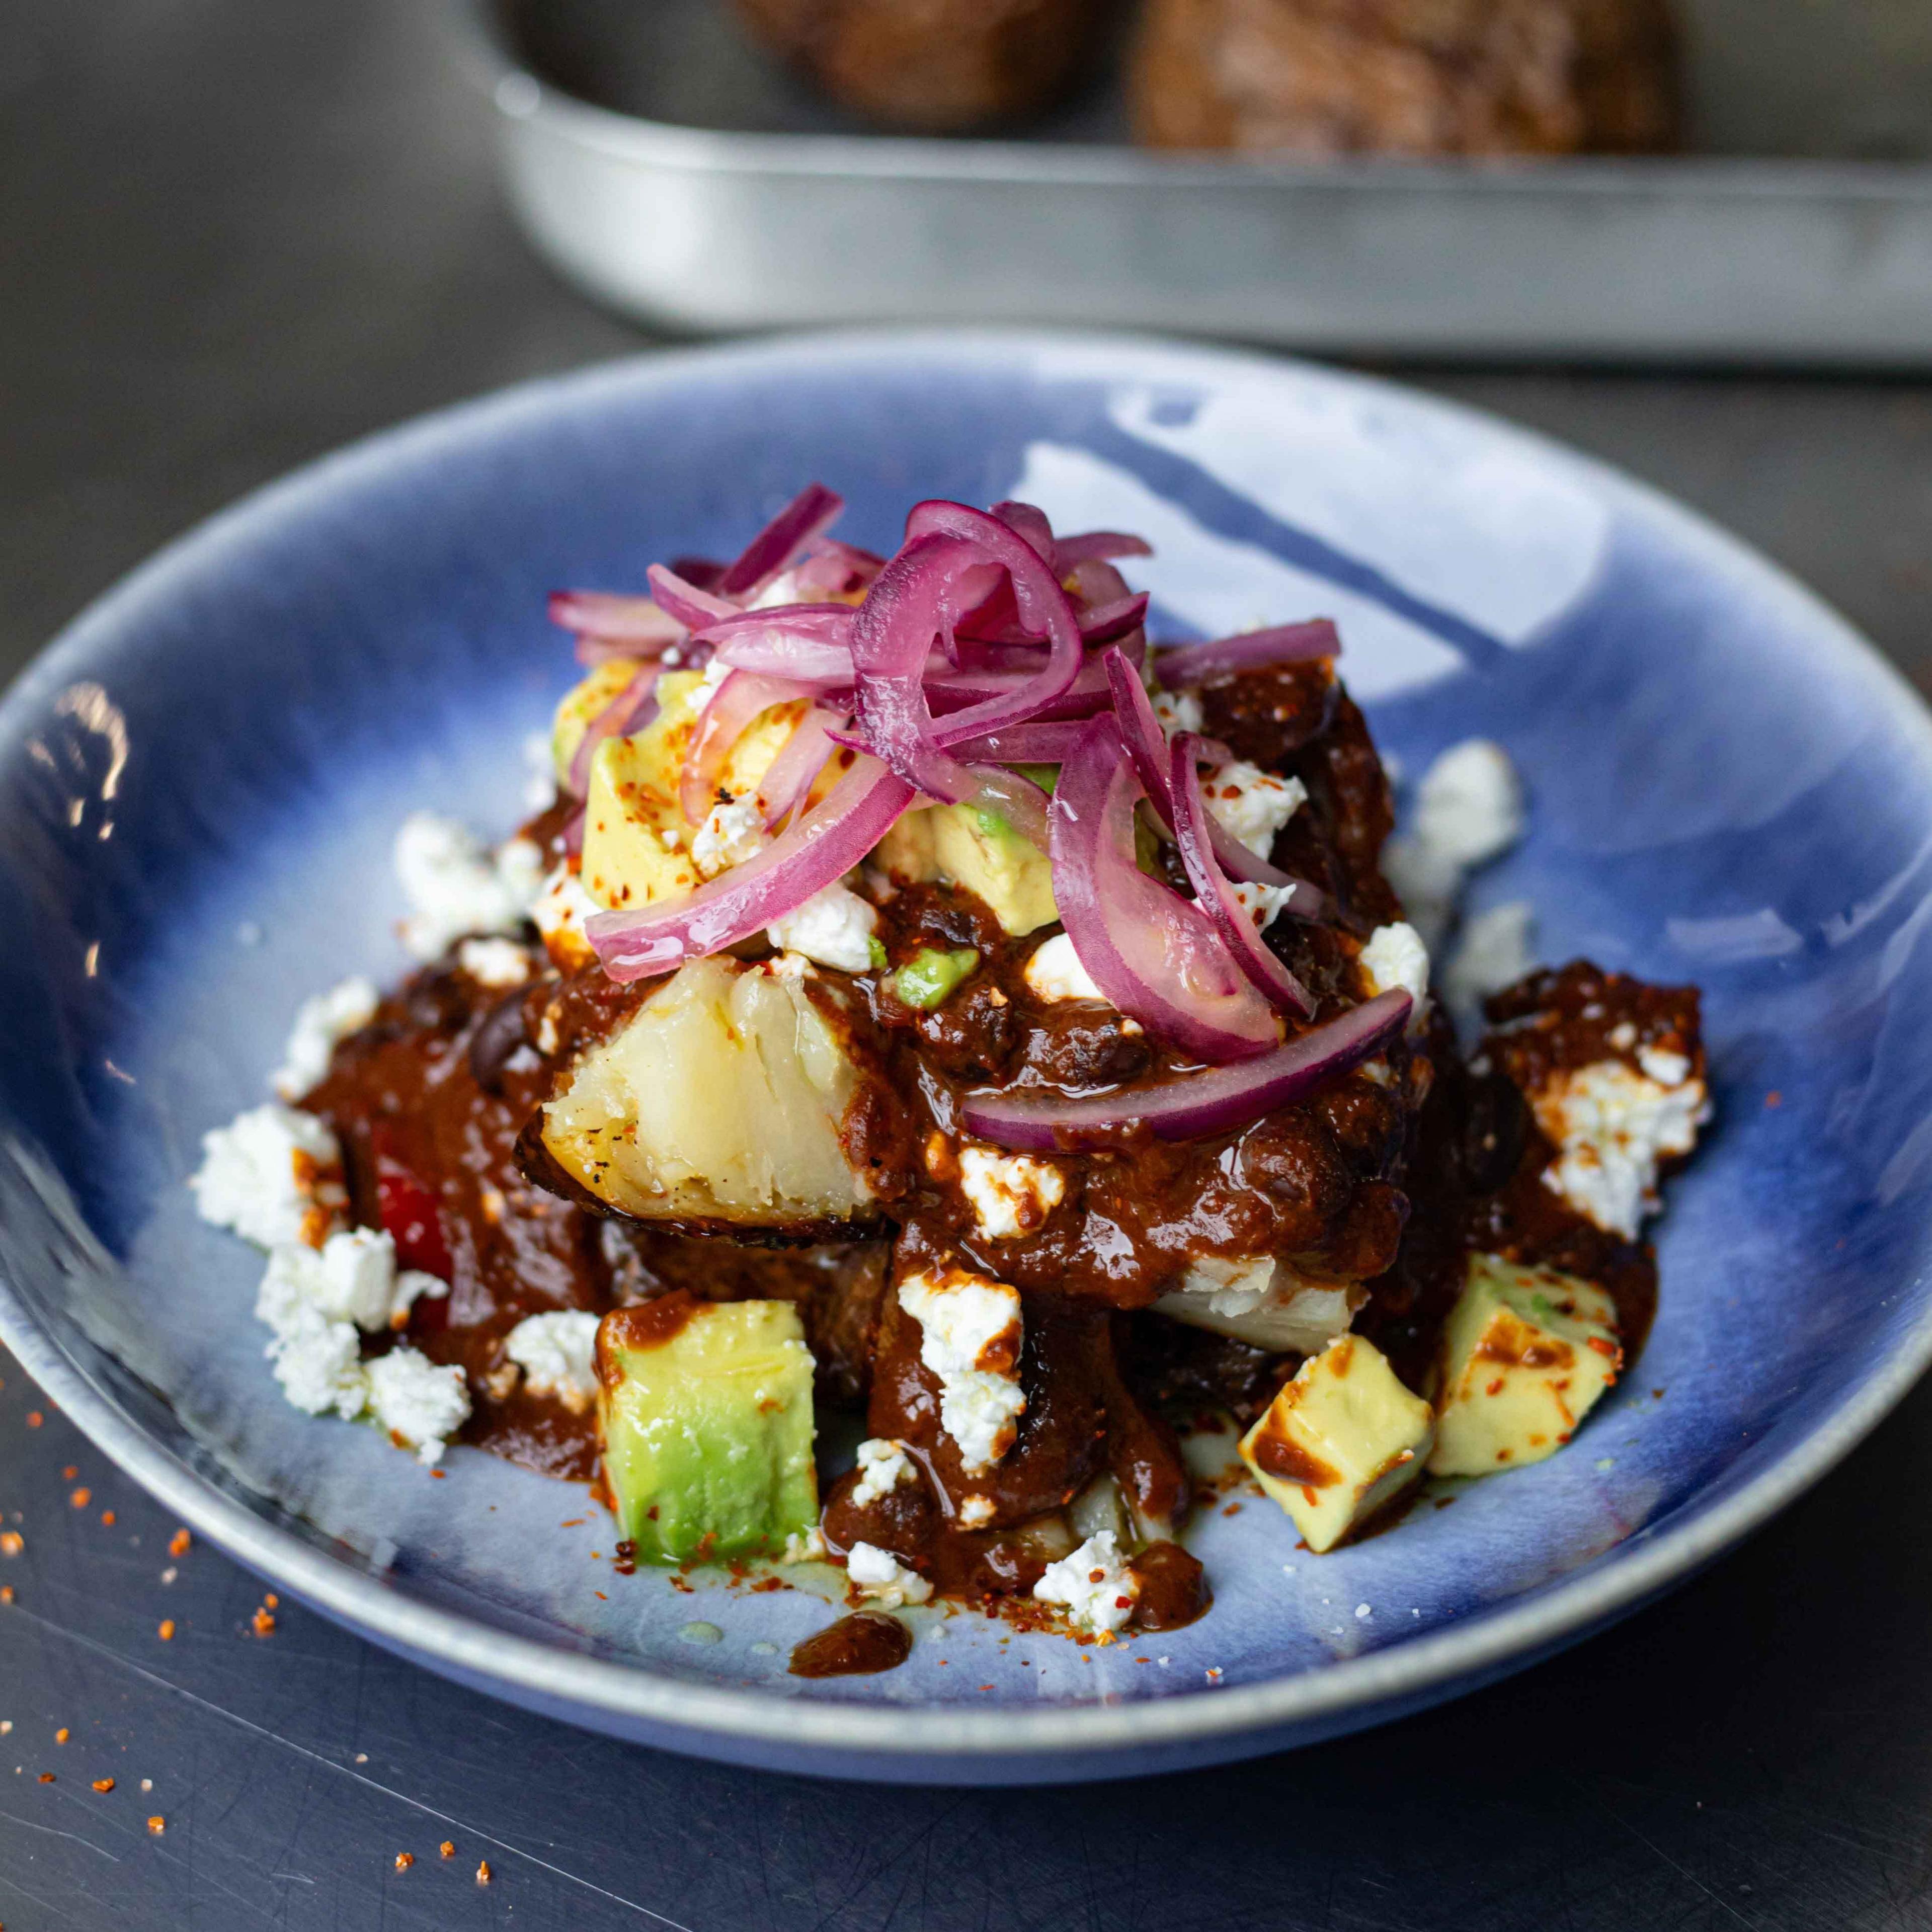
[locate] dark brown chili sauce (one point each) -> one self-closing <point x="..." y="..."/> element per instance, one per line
<point x="1386" y="1183"/>
<point x="859" y="1645"/>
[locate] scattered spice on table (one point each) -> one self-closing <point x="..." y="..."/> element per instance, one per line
<point x="483" y="1873"/>
<point x="404" y="1860"/>
<point x="177" y="1543"/>
<point x="104" y="1784"/>
<point x="166" y="1632"/>
<point x="448" y="1849"/>
<point x="157" y="1824"/>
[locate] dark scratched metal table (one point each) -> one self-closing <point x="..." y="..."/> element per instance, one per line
<point x="233" y="234"/>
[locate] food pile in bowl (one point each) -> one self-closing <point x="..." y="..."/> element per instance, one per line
<point x="915" y="998"/>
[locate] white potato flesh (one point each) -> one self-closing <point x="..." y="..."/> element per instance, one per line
<point x="720" y="1099"/>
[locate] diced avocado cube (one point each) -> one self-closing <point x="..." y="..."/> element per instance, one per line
<point x="636" y="845"/>
<point x="706" y="1415"/>
<point x="1339" y="1441"/>
<point x="634" y="853"/>
<point x="582" y="703"/>
<point x="929" y="978"/>
<point x="1526" y="1352"/>
<point x="973" y="847"/>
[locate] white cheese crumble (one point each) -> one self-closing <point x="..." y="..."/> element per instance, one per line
<point x="1491" y="952"/>
<point x="539" y="770"/>
<point x="1468" y="810"/>
<point x="318" y="1364"/>
<point x="321" y="1024"/>
<point x="834" y="927"/>
<point x="1178" y="711"/>
<point x="877" y="1573"/>
<point x="1251" y="804"/>
<point x="494" y="962"/>
<point x="561" y="906"/>
<point x="417" y="1400"/>
<point x="1053" y="972"/>
<point x="1262" y="904"/>
<point x="975" y="1512"/>
<point x="557" y="1354"/>
<point x="969" y="1335"/>
<point x="732" y="832"/>
<point x="352" y="1277"/>
<point x="884" y="1464"/>
<point x="1469" y="806"/>
<point x="454" y="885"/>
<point x="1011" y="1194"/>
<point x="1612" y="1125"/>
<point x="1094" y="1585"/>
<point x="1395" y="960"/>
<point x="273" y="1174"/>
<point x="806" y="1547"/>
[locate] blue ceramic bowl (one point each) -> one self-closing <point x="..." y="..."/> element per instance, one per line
<point x="202" y="777"/>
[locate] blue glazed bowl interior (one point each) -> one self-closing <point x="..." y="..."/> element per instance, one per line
<point x="202" y="780"/>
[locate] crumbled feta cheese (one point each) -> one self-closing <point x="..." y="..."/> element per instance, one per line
<point x="1253" y="804"/>
<point x="1178" y="711"/>
<point x="561" y="906"/>
<point x="455" y="886"/>
<point x="975" y="1512"/>
<point x="273" y="1174"/>
<point x="1492" y="952"/>
<point x="715" y="674"/>
<point x="352" y="1277"/>
<point x="1468" y="807"/>
<point x="834" y="927"/>
<point x="1612" y="1125"/>
<point x="1011" y="1194"/>
<point x="321" y="1023"/>
<point x="1468" y="810"/>
<point x="1054" y="972"/>
<point x="318" y="1363"/>
<point x="1667" y="1068"/>
<point x="877" y="1573"/>
<point x="494" y="962"/>
<point x="884" y="1464"/>
<point x="422" y="1402"/>
<point x="1396" y="960"/>
<point x="970" y="1338"/>
<point x="557" y="1354"/>
<point x="1230" y="1287"/>
<point x="808" y="1547"/>
<point x="732" y="832"/>
<point x="1094" y="1585"/>
<point x="1262" y="904"/>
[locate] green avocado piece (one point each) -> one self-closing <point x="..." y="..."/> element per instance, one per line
<point x="978" y="850"/>
<point x="707" y="1423"/>
<point x="928" y="978"/>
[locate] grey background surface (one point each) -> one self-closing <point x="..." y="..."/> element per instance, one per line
<point x="235" y="232"/>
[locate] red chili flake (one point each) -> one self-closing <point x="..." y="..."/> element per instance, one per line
<point x="46" y="1778"/>
<point x="179" y="1542"/>
<point x="447" y="1849"/>
<point x="166" y="1631"/>
<point x="81" y="1498"/>
<point x="35" y="1418"/>
<point x="1774" y="1098"/>
<point x="573" y="1522"/>
<point x="157" y="1824"/>
<point x="600" y="1596"/>
<point x="104" y="1784"/>
<point x="483" y="1872"/>
<point x="404" y="1860"/>
<point x="6" y="1593"/>
<point x="11" y="1543"/>
<point x="60" y="1736"/>
<point x="68" y="1475"/>
<point x="273" y="1602"/>
<point x="264" y="1624"/>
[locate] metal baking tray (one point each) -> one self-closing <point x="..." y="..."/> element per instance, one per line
<point x="676" y="174"/>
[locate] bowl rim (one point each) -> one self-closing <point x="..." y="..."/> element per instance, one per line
<point x="1417" y="1670"/>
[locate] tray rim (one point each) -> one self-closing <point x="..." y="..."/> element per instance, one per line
<point x="520" y="93"/>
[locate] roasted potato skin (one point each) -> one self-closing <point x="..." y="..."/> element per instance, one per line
<point x="932" y="66"/>
<point x="1414" y="77"/>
